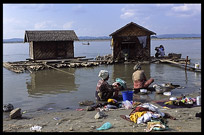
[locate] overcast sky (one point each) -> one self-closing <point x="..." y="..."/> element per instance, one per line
<point x="100" y="19"/>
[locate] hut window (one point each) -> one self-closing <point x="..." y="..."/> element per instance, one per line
<point x="143" y="40"/>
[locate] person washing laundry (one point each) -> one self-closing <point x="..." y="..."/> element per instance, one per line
<point x="161" y="48"/>
<point x="104" y="90"/>
<point x="159" y="51"/>
<point x="139" y="79"/>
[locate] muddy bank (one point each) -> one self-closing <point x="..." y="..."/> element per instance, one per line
<point x="81" y="120"/>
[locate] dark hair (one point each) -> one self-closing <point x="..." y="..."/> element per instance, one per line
<point x="156" y="48"/>
<point x="161" y="46"/>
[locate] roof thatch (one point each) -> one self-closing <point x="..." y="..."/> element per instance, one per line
<point x="136" y="25"/>
<point x="50" y="35"/>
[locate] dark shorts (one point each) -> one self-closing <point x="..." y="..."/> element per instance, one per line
<point x="105" y="96"/>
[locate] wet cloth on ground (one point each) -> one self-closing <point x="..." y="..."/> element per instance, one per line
<point x="179" y="103"/>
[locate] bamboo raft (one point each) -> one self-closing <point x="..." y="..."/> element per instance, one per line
<point x="29" y="65"/>
<point x="82" y="61"/>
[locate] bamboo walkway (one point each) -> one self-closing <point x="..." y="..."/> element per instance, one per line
<point x="181" y="65"/>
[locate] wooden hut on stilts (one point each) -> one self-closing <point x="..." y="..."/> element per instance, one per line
<point x="131" y="43"/>
<point x="50" y="44"/>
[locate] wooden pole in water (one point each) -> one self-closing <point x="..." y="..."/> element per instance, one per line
<point x="186" y="62"/>
<point x="57" y="69"/>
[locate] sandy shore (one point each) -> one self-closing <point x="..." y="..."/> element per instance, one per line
<point x="84" y="121"/>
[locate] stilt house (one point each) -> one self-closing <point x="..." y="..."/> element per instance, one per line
<point x="131" y="42"/>
<point x="50" y="44"/>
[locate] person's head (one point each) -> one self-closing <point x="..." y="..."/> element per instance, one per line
<point x="161" y="46"/>
<point x="137" y="67"/>
<point x="104" y="74"/>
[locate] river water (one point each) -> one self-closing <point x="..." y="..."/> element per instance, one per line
<point x="55" y="90"/>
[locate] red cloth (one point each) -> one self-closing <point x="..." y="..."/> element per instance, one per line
<point x="143" y="84"/>
<point x="139" y="109"/>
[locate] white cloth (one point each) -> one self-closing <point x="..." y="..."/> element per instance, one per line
<point x="143" y="40"/>
<point x="103" y="74"/>
<point x="152" y="108"/>
<point x="147" y="117"/>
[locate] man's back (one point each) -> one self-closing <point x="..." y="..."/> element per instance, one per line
<point x="138" y="75"/>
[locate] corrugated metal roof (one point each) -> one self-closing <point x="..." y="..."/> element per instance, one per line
<point x="50" y="35"/>
<point x="132" y="23"/>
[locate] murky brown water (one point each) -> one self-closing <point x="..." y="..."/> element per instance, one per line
<point x="53" y="90"/>
<point x="50" y="89"/>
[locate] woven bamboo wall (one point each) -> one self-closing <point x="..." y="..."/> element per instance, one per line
<point x="52" y="50"/>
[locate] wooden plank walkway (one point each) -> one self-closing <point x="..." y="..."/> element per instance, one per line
<point x="187" y="67"/>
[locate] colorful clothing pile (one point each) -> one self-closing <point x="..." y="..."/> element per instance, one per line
<point x="144" y="113"/>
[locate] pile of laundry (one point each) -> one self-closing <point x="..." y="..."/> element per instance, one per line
<point x="149" y="114"/>
<point x="144" y="113"/>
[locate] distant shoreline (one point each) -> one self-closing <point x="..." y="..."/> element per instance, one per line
<point x="151" y="39"/>
<point x="13" y="42"/>
<point x="175" y="38"/>
<point x="110" y="39"/>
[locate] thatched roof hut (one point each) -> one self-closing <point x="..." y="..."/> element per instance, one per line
<point x="50" y="44"/>
<point x="131" y="42"/>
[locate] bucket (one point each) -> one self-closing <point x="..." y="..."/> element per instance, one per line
<point x="198" y="100"/>
<point x="197" y="65"/>
<point x="127" y="95"/>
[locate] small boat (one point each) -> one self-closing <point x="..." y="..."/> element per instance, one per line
<point x="86" y="43"/>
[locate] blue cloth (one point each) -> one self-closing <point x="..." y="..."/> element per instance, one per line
<point x="105" y="126"/>
<point x="121" y="82"/>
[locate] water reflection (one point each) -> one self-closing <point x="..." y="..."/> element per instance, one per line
<point x="146" y="68"/>
<point x="186" y="77"/>
<point x="50" y="82"/>
<point x="197" y="75"/>
<point x="123" y="71"/>
<point x="159" y="69"/>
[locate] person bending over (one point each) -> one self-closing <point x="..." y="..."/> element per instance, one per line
<point x="104" y="91"/>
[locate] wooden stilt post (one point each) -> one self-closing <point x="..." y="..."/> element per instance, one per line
<point x="186" y="62"/>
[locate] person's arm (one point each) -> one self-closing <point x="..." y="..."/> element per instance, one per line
<point x="134" y="77"/>
<point x="116" y="86"/>
<point x="106" y="87"/>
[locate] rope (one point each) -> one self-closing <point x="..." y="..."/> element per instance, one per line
<point x="58" y="69"/>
